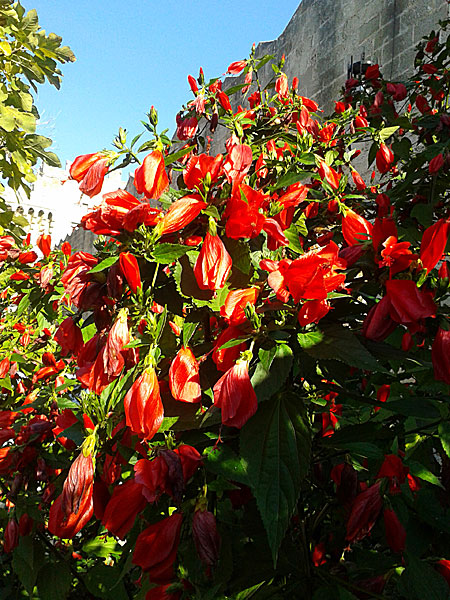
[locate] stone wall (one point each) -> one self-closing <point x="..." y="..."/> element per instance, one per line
<point x="323" y="35"/>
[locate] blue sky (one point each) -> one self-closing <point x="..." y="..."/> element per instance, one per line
<point x="131" y="55"/>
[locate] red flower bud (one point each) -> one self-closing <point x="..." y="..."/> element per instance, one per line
<point x="43" y="242"/>
<point x="365" y="510"/>
<point x="440" y="355"/>
<point x="11" y="536"/>
<point x="434" y="240"/>
<point x="355" y="229"/>
<point x="130" y="269"/>
<point x="213" y="264"/>
<point x="436" y="164"/>
<point x="184" y="378"/>
<point x="206" y="537"/>
<point x="143" y="407"/>
<point x="395" y="532"/>
<point x="126" y="502"/>
<point x="384" y="158"/>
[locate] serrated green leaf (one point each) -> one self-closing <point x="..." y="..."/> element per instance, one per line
<point x="341" y="344"/>
<point x="54" y="581"/>
<point x="419" y="470"/>
<point x="276" y="445"/>
<point x="310" y="338"/>
<point x="28" y="558"/>
<point x="188" y="331"/>
<point x="267" y="382"/>
<point x="168" y="253"/>
<point x="223" y="461"/>
<point x="104" y="264"/>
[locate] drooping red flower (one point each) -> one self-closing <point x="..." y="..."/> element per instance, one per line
<point x="384" y="158"/>
<point x="434" y="240"/>
<point x="143" y="407"/>
<point x="83" y="292"/>
<point x="440" y="355"/>
<point x="184" y="378"/>
<point x="355" y="228"/>
<point x="235" y="396"/>
<point x="329" y="175"/>
<point x="62" y="422"/>
<point x="396" y="255"/>
<point x="118" y="337"/>
<point x="156" y="548"/>
<point x="244" y="218"/>
<point x="236" y="67"/>
<point x="312" y="311"/>
<point x="213" y="264"/>
<point x="92" y="182"/>
<point x="130" y="270"/>
<point x="73" y="508"/>
<point x="153" y="476"/>
<point x="395" y="532"/>
<point x="44" y="242"/>
<point x="69" y="337"/>
<point x="237" y="163"/>
<point x="151" y="178"/>
<point x="126" y="502"/>
<point x="186" y="128"/>
<point x="225" y="358"/>
<point x="223" y="100"/>
<point x="395" y="471"/>
<point x="26" y="258"/>
<point x="235" y="302"/>
<point x="408" y="303"/>
<point x="181" y="213"/>
<point x="206" y="537"/>
<point x="364" y="512"/>
<point x="358" y="181"/>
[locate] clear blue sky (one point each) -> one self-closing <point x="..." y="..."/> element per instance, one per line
<point x="132" y="54"/>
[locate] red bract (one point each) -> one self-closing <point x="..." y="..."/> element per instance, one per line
<point x="156" y="548"/>
<point x="213" y="264"/>
<point x="201" y="170"/>
<point x="206" y="537"/>
<point x="143" y="407"/>
<point x="355" y="228"/>
<point x="184" y="378"/>
<point x="235" y="302"/>
<point x="181" y="213"/>
<point x="440" y="355"/>
<point x="434" y="240"/>
<point x="364" y="512"/>
<point x="130" y="270"/>
<point x="235" y="396"/>
<point x="384" y="158"/>
<point x="126" y="502"/>
<point x="43" y="242"/>
<point x="151" y="178"/>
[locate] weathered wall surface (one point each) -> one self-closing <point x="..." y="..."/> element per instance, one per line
<point x="323" y="34"/>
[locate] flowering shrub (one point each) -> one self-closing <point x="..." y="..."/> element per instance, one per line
<point x="244" y="392"/>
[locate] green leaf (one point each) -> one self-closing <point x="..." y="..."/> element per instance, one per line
<point x="28" y="558"/>
<point x="310" y="338"/>
<point x="276" y="445"/>
<point x="223" y="461"/>
<point x="419" y="581"/>
<point x="272" y="371"/>
<point x="54" y="581"/>
<point x="444" y="436"/>
<point x="188" y="331"/>
<point x="171" y="158"/>
<point x="386" y="132"/>
<point x="101" y="546"/>
<point x="339" y="343"/>
<point x="168" y="253"/>
<point x="289" y="179"/>
<point x="103" y="581"/>
<point x="418" y="470"/>
<point x="293" y="237"/>
<point x="104" y="264"/>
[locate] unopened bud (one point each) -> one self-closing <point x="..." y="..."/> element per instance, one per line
<point x="153" y="116"/>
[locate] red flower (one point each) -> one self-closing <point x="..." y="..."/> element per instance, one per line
<point x="118" y="337"/>
<point x="409" y="304"/>
<point x="184" y="378"/>
<point x="213" y="264"/>
<point x="151" y="178"/>
<point x="364" y="512"/>
<point x="235" y="302"/>
<point x="186" y="128"/>
<point x="4" y="367"/>
<point x="77" y="282"/>
<point x="69" y="337"/>
<point x="126" y="502"/>
<point x="312" y="312"/>
<point x="224" y="100"/>
<point x="355" y="228"/>
<point x="206" y="537"/>
<point x="156" y="548"/>
<point x="143" y="407"/>
<point x="443" y="567"/>
<point x="153" y="476"/>
<point x="181" y="213"/>
<point x="90" y="170"/>
<point x="436" y="164"/>
<point x="74" y="507"/>
<point x="244" y="217"/>
<point x="440" y="355"/>
<point x="225" y="358"/>
<point x="329" y="175"/>
<point x="358" y="181"/>
<point x="395" y="471"/>
<point x="201" y="167"/>
<point x="238" y="162"/>
<point x="396" y="255"/>
<point x="130" y="269"/>
<point x="434" y="240"/>
<point x="236" y="67"/>
<point x="282" y="87"/>
<point x="27" y="257"/>
<point x="66" y="248"/>
<point x="43" y="242"/>
<point x="11" y="536"/>
<point x="395" y="532"/>
<point x="384" y="158"/>
<point x="235" y="396"/>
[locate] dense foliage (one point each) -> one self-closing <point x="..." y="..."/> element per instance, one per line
<point x="244" y="392"/>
